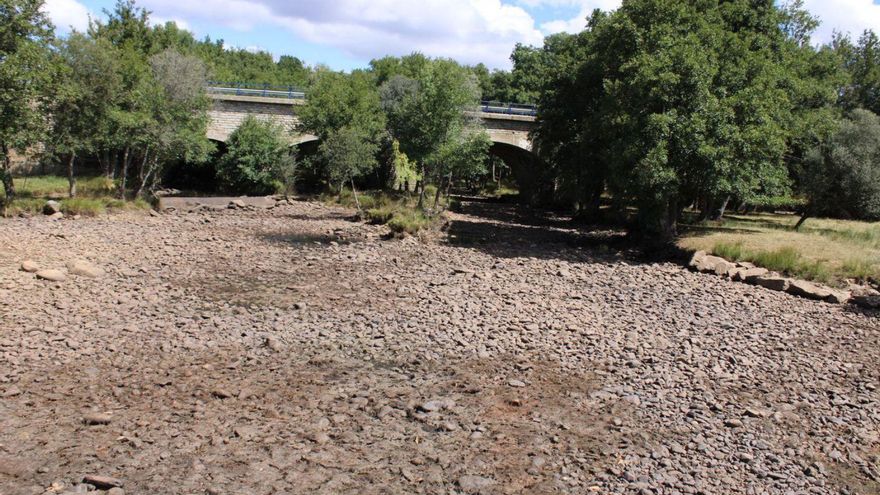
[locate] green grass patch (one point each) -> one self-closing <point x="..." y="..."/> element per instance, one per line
<point x="397" y="210"/>
<point x="95" y="196"/>
<point x="410" y="222"/>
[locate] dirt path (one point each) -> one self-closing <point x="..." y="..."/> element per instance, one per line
<point x="293" y="351"/>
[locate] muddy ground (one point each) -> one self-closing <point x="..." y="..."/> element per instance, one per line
<point x="292" y="350"/>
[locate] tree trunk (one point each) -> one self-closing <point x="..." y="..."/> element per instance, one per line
<point x="6" y="175"/>
<point x="719" y="213"/>
<point x="126" y="159"/>
<point x="421" y="186"/>
<point x="803" y="219"/>
<point x="146" y="172"/>
<point x="71" y="177"/>
<point x="355" y="194"/>
<point x="437" y="195"/>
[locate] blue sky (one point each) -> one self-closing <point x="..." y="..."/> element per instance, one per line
<point x="345" y="34"/>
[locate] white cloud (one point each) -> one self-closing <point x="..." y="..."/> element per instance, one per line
<point x="577" y="23"/>
<point x="66" y="14"/>
<point x="847" y="16"/>
<point x="470" y="31"/>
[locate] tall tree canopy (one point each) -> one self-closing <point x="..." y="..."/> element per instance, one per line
<point x="25" y="73"/>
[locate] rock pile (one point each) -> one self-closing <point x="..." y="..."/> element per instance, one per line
<point x="749" y="273"/>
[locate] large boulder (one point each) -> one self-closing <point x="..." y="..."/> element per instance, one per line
<point x="29" y="266"/>
<point x="751" y="274"/>
<point x="698" y="257"/>
<point x="709" y="264"/>
<point x="83" y="268"/>
<point x="52" y="275"/>
<point x="772" y="282"/>
<point x="809" y="290"/>
<point x="52" y="207"/>
<point x="724" y="267"/>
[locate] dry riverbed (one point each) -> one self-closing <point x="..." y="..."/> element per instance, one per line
<point x="291" y="350"/>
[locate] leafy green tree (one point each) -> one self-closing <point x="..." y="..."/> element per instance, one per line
<point x="337" y="100"/>
<point x="677" y="102"/>
<point x="179" y="119"/>
<point x="25" y="70"/>
<point x="87" y="82"/>
<point x="842" y="177"/>
<point x="257" y="160"/>
<point x="429" y="115"/>
<point x="348" y="152"/>
<point x="862" y="63"/>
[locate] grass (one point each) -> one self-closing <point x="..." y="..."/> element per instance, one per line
<point x="823" y="250"/>
<point x="397" y="210"/>
<point x="94" y="196"/>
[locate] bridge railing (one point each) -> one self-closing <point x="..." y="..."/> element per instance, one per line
<point x="261" y="90"/>
<point x="508" y="108"/>
<point x="295" y="93"/>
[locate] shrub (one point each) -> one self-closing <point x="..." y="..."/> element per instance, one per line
<point x="257" y="160"/>
<point x="409" y="221"/>
<point x="86" y="207"/>
<point x="842" y="177"/>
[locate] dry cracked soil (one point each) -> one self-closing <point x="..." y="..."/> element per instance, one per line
<point x="292" y="350"/>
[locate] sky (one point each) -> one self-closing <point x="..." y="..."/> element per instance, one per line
<point x="347" y="34"/>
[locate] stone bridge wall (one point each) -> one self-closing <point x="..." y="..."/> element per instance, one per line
<point x="230" y="110"/>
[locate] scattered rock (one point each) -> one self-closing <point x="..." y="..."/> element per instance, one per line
<point x="516" y="383"/>
<point x="102" y="482"/>
<point x="29" y="266"/>
<point x="221" y="393"/>
<point x="56" y="216"/>
<point x="52" y="275"/>
<point x="237" y="204"/>
<point x="94" y="419"/>
<point x="51" y="207"/>
<point x="83" y="268"/>
<point x="475" y="484"/>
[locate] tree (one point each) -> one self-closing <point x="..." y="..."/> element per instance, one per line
<point x="87" y="83"/>
<point x="348" y="152"/>
<point x="429" y="114"/>
<point x="677" y="102"/>
<point x="257" y="159"/>
<point x="179" y="115"/>
<point x="842" y="177"/>
<point x="25" y="37"/>
<point x="861" y="61"/>
<point x="343" y="111"/>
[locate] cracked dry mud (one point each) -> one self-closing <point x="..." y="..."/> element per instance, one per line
<point x="294" y="351"/>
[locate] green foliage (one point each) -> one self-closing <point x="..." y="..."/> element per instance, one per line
<point x="410" y="222"/>
<point x="346" y="154"/>
<point x="862" y="63"/>
<point x="257" y="159"/>
<point x="25" y="36"/>
<point x="337" y="100"/>
<point x="405" y="173"/>
<point x="667" y="102"/>
<point x="843" y="175"/>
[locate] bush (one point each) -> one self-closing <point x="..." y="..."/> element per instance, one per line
<point x="257" y="160"/>
<point x="409" y="221"/>
<point x="842" y="177"/>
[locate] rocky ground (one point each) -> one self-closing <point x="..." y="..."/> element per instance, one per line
<point x="291" y="350"/>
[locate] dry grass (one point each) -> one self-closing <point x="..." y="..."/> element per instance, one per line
<point x="825" y="250"/>
<point x="95" y="196"/>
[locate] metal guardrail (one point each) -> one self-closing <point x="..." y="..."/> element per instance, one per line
<point x="508" y="108"/>
<point x="261" y="90"/>
<point x="294" y="93"/>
